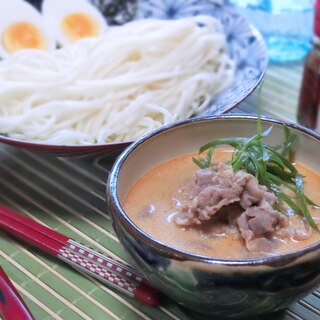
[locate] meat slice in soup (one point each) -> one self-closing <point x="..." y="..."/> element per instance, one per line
<point x="219" y="186"/>
<point x="216" y="212"/>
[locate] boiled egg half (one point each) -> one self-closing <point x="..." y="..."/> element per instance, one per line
<point x="71" y="20"/>
<point x="22" y="27"/>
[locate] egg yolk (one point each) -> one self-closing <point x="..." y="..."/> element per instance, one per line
<point x="23" y="35"/>
<point x="79" y="25"/>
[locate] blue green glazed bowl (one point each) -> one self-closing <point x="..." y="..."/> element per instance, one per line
<point x="215" y="287"/>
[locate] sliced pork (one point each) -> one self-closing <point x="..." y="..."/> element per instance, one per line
<point x="220" y="187"/>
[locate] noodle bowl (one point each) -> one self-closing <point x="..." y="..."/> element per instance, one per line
<point x="131" y="80"/>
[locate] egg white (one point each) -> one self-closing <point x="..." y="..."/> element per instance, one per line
<point x="54" y="11"/>
<point x="18" y="11"/>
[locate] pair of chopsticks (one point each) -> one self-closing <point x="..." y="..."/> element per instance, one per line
<point x="107" y="270"/>
<point x="12" y="307"/>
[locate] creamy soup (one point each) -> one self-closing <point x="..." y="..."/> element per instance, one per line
<point x="155" y="199"/>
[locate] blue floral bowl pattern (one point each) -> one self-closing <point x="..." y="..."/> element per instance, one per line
<point x="244" y="43"/>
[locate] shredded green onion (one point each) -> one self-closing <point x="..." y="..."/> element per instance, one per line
<point x="271" y="166"/>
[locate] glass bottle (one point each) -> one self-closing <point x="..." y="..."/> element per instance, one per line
<point x="286" y="25"/>
<point x="309" y="100"/>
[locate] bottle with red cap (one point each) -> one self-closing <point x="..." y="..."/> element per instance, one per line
<point x="309" y="100"/>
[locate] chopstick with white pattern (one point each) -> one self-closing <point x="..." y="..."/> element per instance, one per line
<point x="107" y="270"/>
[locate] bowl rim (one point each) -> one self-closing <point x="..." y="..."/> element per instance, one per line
<point x="168" y="250"/>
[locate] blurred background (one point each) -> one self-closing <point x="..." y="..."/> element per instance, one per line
<point x="286" y="25"/>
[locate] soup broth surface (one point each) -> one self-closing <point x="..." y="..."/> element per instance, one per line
<point x="154" y="199"/>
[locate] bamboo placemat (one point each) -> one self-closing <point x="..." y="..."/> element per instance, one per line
<point x="68" y="195"/>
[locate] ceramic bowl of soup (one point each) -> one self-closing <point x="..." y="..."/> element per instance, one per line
<point x="215" y="239"/>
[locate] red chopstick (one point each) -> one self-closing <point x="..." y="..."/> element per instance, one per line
<point x="12" y="307"/>
<point x="109" y="271"/>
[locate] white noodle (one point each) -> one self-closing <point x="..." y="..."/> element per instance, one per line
<point x="131" y="80"/>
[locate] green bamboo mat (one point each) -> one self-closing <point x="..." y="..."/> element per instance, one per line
<point x="68" y="195"/>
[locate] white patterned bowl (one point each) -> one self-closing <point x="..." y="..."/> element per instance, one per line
<point x="244" y="43"/>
